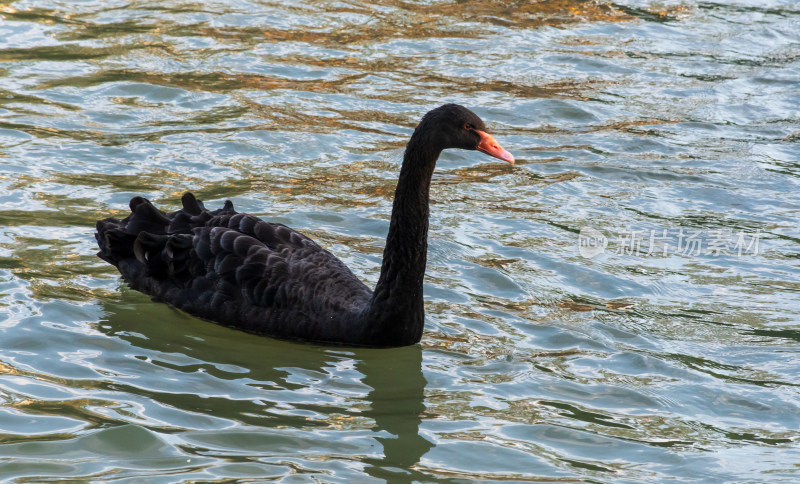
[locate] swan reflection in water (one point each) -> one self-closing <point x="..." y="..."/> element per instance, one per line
<point x="236" y="385"/>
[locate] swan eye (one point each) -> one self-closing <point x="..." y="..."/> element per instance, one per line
<point x="467" y="126"/>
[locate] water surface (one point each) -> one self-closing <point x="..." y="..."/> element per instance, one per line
<point x="663" y="135"/>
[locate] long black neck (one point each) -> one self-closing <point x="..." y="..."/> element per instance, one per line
<point x="396" y="310"/>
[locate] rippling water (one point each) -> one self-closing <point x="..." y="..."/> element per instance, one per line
<point x="660" y="138"/>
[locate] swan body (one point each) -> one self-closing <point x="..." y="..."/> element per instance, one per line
<point x="240" y="271"/>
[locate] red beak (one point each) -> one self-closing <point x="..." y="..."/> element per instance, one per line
<point x="491" y="147"/>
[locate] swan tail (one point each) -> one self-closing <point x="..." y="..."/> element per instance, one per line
<point x="117" y="238"/>
<point x="114" y="243"/>
<point x="160" y="242"/>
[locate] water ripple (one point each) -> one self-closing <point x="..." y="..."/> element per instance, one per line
<point x="647" y="123"/>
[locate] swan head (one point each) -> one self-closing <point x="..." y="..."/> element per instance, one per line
<point x="454" y="126"/>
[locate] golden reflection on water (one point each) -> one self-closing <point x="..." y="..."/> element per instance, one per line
<point x="376" y="22"/>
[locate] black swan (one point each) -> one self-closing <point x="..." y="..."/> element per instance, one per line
<point x="240" y="271"/>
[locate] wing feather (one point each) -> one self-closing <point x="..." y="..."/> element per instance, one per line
<point x="232" y="268"/>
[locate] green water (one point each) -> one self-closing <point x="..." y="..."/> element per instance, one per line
<point x="639" y="125"/>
